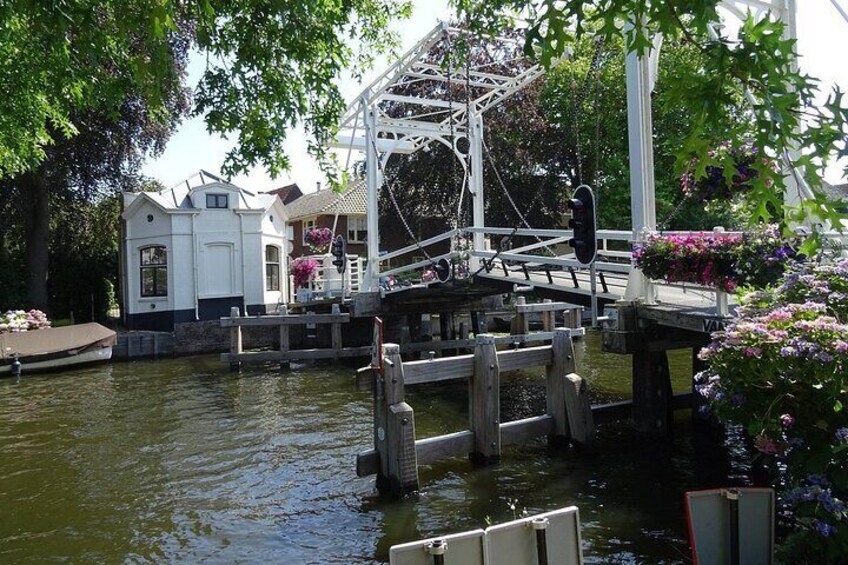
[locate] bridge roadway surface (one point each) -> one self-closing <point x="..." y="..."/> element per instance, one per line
<point x="676" y="306"/>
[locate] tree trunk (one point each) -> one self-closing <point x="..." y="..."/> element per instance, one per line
<point x="36" y="202"/>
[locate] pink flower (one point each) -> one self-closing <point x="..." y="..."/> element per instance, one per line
<point x="787" y="420"/>
<point x="766" y="445"/>
<point x="753" y="352"/>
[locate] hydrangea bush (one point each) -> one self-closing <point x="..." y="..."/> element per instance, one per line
<point x="780" y="371"/>
<point x="724" y="261"/>
<point x="23" y="321"/>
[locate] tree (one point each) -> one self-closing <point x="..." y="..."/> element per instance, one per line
<point x="786" y="120"/>
<point x="269" y="64"/>
<point x="77" y="72"/>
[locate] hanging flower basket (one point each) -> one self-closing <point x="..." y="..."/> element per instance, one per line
<point x="318" y="239"/>
<point x="304" y="270"/>
<point x="697" y="259"/>
<point x="719" y="183"/>
<point x="723" y="261"/>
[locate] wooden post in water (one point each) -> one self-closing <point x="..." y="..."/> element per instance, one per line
<point x="285" y="343"/>
<point x="484" y="401"/>
<point x="699" y="403"/>
<point x="581" y="422"/>
<point x="235" y="340"/>
<point x="548" y="318"/>
<point x="561" y="365"/>
<point x="520" y="325"/>
<point x="395" y="429"/>
<point x="652" y="408"/>
<point x="336" y="329"/>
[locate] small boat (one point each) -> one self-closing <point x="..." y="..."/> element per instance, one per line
<point x="51" y="349"/>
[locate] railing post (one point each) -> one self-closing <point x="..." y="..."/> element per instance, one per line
<point x="394" y="428"/>
<point x="235" y="341"/>
<point x="485" y="407"/>
<point x="285" y="343"/>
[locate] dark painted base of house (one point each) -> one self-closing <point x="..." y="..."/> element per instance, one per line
<point x="207" y="309"/>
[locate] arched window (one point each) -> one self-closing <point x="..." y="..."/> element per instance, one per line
<point x="272" y="267"/>
<point x="154" y="271"/>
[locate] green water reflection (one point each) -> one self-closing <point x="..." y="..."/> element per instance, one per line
<point x="181" y="460"/>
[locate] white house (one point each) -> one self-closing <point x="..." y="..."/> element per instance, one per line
<point x="193" y="251"/>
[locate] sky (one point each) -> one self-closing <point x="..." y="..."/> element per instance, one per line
<point x="822" y="45"/>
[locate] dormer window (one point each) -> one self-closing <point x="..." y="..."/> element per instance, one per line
<point x="217" y="201"/>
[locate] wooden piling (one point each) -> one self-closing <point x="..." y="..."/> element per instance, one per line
<point x="336" y="329"/>
<point x="484" y="400"/>
<point x="520" y="323"/>
<point x="395" y="439"/>
<point x="285" y="338"/>
<point x="562" y="364"/>
<point x="652" y="408"/>
<point x="235" y="339"/>
<point x="699" y="403"/>
<point x="548" y="318"/>
<point x="581" y="422"/>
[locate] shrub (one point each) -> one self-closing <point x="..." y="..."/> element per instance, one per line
<point x="22" y="321"/>
<point x="779" y="370"/>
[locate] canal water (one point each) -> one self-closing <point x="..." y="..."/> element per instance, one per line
<point x="182" y="461"/>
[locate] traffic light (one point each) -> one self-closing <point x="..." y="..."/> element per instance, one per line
<point x="443" y="270"/>
<point x="339" y="254"/>
<point x="584" y="242"/>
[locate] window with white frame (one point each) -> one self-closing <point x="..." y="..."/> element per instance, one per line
<point x="154" y="271"/>
<point x="308" y="225"/>
<point x="357" y="229"/>
<point x="217" y="201"/>
<point x="272" y="267"/>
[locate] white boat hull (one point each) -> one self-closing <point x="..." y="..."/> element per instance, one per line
<point x="91" y="356"/>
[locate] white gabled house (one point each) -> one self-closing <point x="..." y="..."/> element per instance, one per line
<point x="193" y="251"/>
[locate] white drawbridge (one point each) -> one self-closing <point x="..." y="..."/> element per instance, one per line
<point x="411" y="105"/>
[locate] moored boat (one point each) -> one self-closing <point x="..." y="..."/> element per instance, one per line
<point x="52" y="349"/>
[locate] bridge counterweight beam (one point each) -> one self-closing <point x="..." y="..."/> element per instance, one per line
<point x="373" y="181"/>
<point x="475" y="183"/>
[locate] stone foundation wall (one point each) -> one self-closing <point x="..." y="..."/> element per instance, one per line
<point x="210" y="337"/>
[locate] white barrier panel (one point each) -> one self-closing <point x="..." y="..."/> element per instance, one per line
<point x="458" y="549"/>
<point x="513" y="543"/>
<point x="731" y="526"/>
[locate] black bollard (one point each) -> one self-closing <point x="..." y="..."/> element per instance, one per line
<point x="437" y="549"/>
<point x="540" y="525"/>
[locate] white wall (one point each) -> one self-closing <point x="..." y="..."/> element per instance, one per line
<point x="224" y="250"/>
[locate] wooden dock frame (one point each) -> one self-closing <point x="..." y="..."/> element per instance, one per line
<point x="285" y="354"/>
<point x="648" y="332"/>
<point x="572" y="315"/>
<point x="397" y="453"/>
